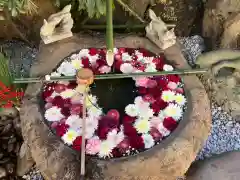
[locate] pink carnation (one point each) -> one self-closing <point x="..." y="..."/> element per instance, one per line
<point x="93" y="146"/>
<point x="172" y="85"/>
<point x="151" y="83"/>
<point x="142" y="81"/>
<point x="105" y="69"/>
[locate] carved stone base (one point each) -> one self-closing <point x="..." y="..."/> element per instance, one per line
<point x="167" y="161"/>
<point x="56" y="37"/>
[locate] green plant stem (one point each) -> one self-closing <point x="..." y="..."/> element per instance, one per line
<point x="115" y="76"/>
<point x="109" y="28"/>
<point x="122" y="26"/>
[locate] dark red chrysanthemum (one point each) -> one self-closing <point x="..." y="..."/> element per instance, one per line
<point x="124" y="146"/>
<point x="173" y="78"/>
<point x="48" y="90"/>
<point x="72" y="85"/>
<point x="116" y="153"/>
<point x="117" y="65"/>
<point x="157" y="136"/>
<point x="144" y="52"/>
<point x="60" y="88"/>
<point x="93" y="51"/>
<point x="85" y="62"/>
<point x="162" y="82"/>
<point x="149" y="98"/>
<point x="155" y="92"/>
<point x="130" y="50"/>
<point x="142" y="90"/>
<point x="159" y="63"/>
<point x="65" y="111"/>
<point x="102" y="132"/>
<point x="129" y="120"/>
<point x="108" y="122"/>
<point x="76" y="109"/>
<point x="136" y="142"/>
<point x="155" y="107"/>
<point x="121" y="50"/>
<point x="58" y="101"/>
<point x="100" y="63"/>
<point x="129" y="130"/>
<point x="170" y="123"/>
<point x="77" y="143"/>
<point x="61" y="129"/>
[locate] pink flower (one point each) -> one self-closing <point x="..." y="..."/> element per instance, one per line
<point x="172" y="85"/>
<point x="76" y="99"/>
<point x="155" y="121"/>
<point x="105" y="69"/>
<point x="93" y="146"/>
<point x="151" y="83"/>
<point x="142" y="81"/>
<point x="149" y="98"/>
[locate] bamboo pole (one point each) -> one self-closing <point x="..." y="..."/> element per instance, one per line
<point x="113" y="76"/>
<point x="109" y="31"/>
<point x="122" y="26"/>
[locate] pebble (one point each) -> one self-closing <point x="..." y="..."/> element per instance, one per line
<point x="225" y="133"/>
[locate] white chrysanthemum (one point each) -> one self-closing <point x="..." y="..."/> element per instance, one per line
<point x="180" y="99"/>
<point x="126" y="57"/>
<point x="55" y="74"/>
<point x="115" y="137"/>
<point x="126" y="68"/>
<point x="168" y="96"/>
<point x="89" y="133"/>
<point x="69" y="136"/>
<point x="174" y="111"/>
<point x="138" y="100"/>
<point x="138" y="54"/>
<point x="140" y="103"/>
<point x="106" y="148"/>
<point x="148" y="141"/>
<point x="167" y="67"/>
<point x="161" y="115"/>
<point x="67" y="69"/>
<point x="164" y="131"/>
<point x="83" y="53"/>
<point x="142" y="125"/>
<point x="92" y="122"/>
<point x="155" y="121"/>
<point x="151" y="68"/>
<point x="131" y="110"/>
<point x="75" y="56"/>
<point x="145" y="112"/>
<point x="91" y="100"/>
<point x="94" y="111"/>
<point x="77" y="64"/>
<point x="68" y="93"/>
<point x="93" y="59"/>
<point x="148" y="59"/>
<point x="53" y="114"/>
<point x="54" y="94"/>
<point x="63" y="82"/>
<point x="115" y="50"/>
<point x="74" y="121"/>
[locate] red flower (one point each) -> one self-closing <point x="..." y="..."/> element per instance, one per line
<point x="180" y="90"/>
<point x="65" y="111"/>
<point x="72" y="85"/>
<point x="155" y="92"/>
<point x="118" y="64"/>
<point x="93" y="51"/>
<point x="76" y="109"/>
<point x="173" y="78"/>
<point x="170" y="123"/>
<point x="155" y="107"/>
<point x="129" y="120"/>
<point x="58" y="101"/>
<point x="85" y="62"/>
<point x="162" y="82"/>
<point x="77" y="143"/>
<point x="157" y="136"/>
<point x="49" y="99"/>
<point x="108" y="122"/>
<point x="130" y="50"/>
<point x="121" y="50"/>
<point x="47" y="93"/>
<point x="159" y="63"/>
<point x="136" y="142"/>
<point x="60" y="88"/>
<point x="116" y="153"/>
<point x="61" y="129"/>
<point x="118" y="57"/>
<point x="102" y="132"/>
<point x="129" y="130"/>
<point x="101" y="62"/>
<point x="144" y="52"/>
<point x="142" y="90"/>
<point x="162" y="104"/>
<point x="124" y="146"/>
<point x="149" y="98"/>
<point x="113" y="113"/>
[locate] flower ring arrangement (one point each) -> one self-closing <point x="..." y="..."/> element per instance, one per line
<point x="155" y="105"/>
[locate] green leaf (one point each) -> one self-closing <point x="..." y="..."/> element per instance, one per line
<point x="101" y="6"/>
<point x="91" y="8"/>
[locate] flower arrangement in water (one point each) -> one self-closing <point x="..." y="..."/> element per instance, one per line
<point x="154" y="114"/>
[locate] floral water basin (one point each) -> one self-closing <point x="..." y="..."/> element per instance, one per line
<point x="124" y="116"/>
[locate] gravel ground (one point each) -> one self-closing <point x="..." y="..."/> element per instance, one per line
<point x="225" y="134"/>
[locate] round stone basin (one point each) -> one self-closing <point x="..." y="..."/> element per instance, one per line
<point x="167" y="160"/>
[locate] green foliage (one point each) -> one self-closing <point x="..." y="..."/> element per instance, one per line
<point x="16" y="7"/>
<point x="94" y="8"/>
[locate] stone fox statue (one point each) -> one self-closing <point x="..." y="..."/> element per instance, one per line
<point x="219" y="59"/>
<point x="49" y="32"/>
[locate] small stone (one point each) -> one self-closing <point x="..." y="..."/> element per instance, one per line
<point x="3" y="173"/>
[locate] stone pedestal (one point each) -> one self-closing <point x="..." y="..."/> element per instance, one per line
<point x="166" y="161"/>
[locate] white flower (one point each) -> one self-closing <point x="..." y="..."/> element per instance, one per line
<point x="69" y="136"/>
<point x="53" y="114"/>
<point x="75" y="56"/>
<point x="93" y="59"/>
<point x="140" y="103"/>
<point x="115" y="137"/>
<point x="126" y="68"/>
<point x="67" y="69"/>
<point x="68" y="93"/>
<point x="63" y="82"/>
<point x="142" y="125"/>
<point x="138" y="54"/>
<point x="168" y="96"/>
<point x="138" y="100"/>
<point x="94" y="111"/>
<point x="77" y="64"/>
<point x="151" y="68"/>
<point x="91" y="100"/>
<point x="167" y="67"/>
<point x="174" y="111"/>
<point x="131" y="110"/>
<point x="180" y="99"/>
<point x="126" y="57"/>
<point x="83" y="53"/>
<point x="161" y="115"/>
<point x="115" y="50"/>
<point x="155" y="121"/>
<point x="74" y="121"/>
<point x="146" y="112"/>
<point x="148" y="59"/>
<point x="105" y="69"/>
<point x="55" y="74"/>
<point x="148" y="141"/>
<point x="106" y="148"/>
<point x="89" y="133"/>
<point x="92" y="122"/>
<point x="164" y="131"/>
